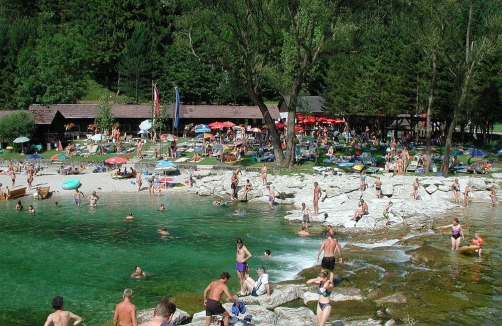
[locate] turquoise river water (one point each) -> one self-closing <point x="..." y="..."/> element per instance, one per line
<point x="87" y="254"/>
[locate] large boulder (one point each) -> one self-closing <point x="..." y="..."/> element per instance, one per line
<point x="295" y="317"/>
<point x="179" y="317"/>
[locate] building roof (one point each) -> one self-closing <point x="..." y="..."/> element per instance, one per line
<point x="144" y="111"/>
<point x="44" y="117"/>
<point x="313" y="104"/>
<point x="225" y="112"/>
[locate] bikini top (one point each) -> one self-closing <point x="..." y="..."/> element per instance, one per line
<point x="326" y="293"/>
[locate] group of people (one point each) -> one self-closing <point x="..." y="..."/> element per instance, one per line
<point x="457" y="235"/>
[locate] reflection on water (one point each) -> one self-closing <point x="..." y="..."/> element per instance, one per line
<point x="87" y="254"/>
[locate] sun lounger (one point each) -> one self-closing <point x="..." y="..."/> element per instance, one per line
<point x="412" y="166"/>
<point x="371" y="170"/>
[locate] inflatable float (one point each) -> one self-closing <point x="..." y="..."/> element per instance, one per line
<point x="71" y="184"/>
<point x="467" y="249"/>
<point x="123" y="176"/>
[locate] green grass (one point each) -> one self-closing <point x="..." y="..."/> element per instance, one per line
<point x="95" y="90"/>
<point x="497" y="127"/>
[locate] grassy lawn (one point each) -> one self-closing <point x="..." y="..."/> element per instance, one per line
<point x="249" y="161"/>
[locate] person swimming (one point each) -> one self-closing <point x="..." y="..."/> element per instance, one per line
<point x="128" y="217"/>
<point x="163" y="231"/>
<point x="162" y="208"/>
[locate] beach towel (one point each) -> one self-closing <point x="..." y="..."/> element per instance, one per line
<point x="240" y="308"/>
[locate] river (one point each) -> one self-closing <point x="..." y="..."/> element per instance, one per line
<point x="86" y="255"/>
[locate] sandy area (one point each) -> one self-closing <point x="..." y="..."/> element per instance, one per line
<point x="99" y="182"/>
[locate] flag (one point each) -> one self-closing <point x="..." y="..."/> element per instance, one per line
<point x="156" y="99"/>
<point x="177" y="112"/>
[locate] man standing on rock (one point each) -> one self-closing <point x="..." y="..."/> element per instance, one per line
<point x="212" y="302"/>
<point x="317" y="196"/>
<point x="378" y="187"/>
<point x="241" y="264"/>
<point x="125" y="312"/>
<point x="329" y="246"/>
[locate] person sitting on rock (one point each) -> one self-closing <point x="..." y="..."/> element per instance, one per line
<point x="362" y="210"/>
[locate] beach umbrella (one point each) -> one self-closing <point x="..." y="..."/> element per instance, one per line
<point x="477" y="152"/>
<point x="216" y="125"/>
<point x="256" y="129"/>
<point x="457" y="151"/>
<point x="98" y="137"/>
<point x="145" y="125"/>
<point x="500" y="152"/>
<point x="59" y="157"/>
<point x="205" y="135"/>
<point x="205" y="129"/>
<point x="201" y="126"/>
<point x="116" y="160"/>
<point x="165" y="164"/>
<point x="34" y="157"/>
<point x="21" y="140"/>
<point x="237" y="128"/>
<point x="221" y="146"/>
<point x="280" y="125"/>
<point x="299" y="129"/>
<point x="142" y="132"/>
<point x="168" y="137"/>
<point x="228" y="124"/>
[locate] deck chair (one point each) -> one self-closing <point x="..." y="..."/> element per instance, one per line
<point x="412" y="166"/>
<point x="366" y="158"/>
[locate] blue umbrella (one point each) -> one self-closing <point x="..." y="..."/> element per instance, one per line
<point x="201" y="130"/>
<point x="34" y="157"/>
<point x="162" y="164"/>
<point x="500" y="151"/>
<point x="201" y="126"/>
<point x="477" y="152"/>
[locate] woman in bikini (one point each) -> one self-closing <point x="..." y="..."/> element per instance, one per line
<point x="264" y="174"/>
<point x="324" y="291"/>
<point x="415" y="189"/>
<point x="455" y="187"/>
<point x="457" y="234"/>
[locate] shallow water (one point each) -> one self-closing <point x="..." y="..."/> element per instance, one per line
<point x="87" y="254"/>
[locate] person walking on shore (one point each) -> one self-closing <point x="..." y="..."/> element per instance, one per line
<point x="324" y="291"/>
<point x="241" y="264"/>
<point x="212" y="302"/>
<point x="264" y="171"/>
<point x="455" y="187"/>
<point x="125" y="312"/>
<point x="13" y="178"/>
<point x="61" y="317"/>
<point x="317" y="196"/>
<point x="415" y="189"/>
<point x="139" y="181"/>
<point x="162" y="314"/>
<point x="329" y="246"/>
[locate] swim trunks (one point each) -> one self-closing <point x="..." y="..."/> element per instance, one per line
<point x="328" y="263"/>
<point x="77" y="201"/>
<point x="214" y="308"/>
<point x="270" y="198"/>
<point x="233" y="185"/>
<point x="386" y="215"/>
<point x="241" y="267"/>
<point x="306" y="218"/>
<point x="378" y="188"/>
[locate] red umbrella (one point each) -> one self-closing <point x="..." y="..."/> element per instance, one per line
<point x="330" y="121"/>
<point x="216" y="125"/>
<point x="299" y="129"/>
<point x="228" y="124"/>
<point x="309" y="121"/>
<point x="168" y="137"/>
<point x="339" y="121"/>
<point x="280" y="125"/>
<point x="256" y="129"/>
<point x="116" y="160"/>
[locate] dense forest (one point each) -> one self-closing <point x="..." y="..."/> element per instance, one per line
<point x="385" y="57"/>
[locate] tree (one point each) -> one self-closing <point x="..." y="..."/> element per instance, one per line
<point x="104" y="118"/>
<point x="135" y="67"/>
<point x="17" y="124"/>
